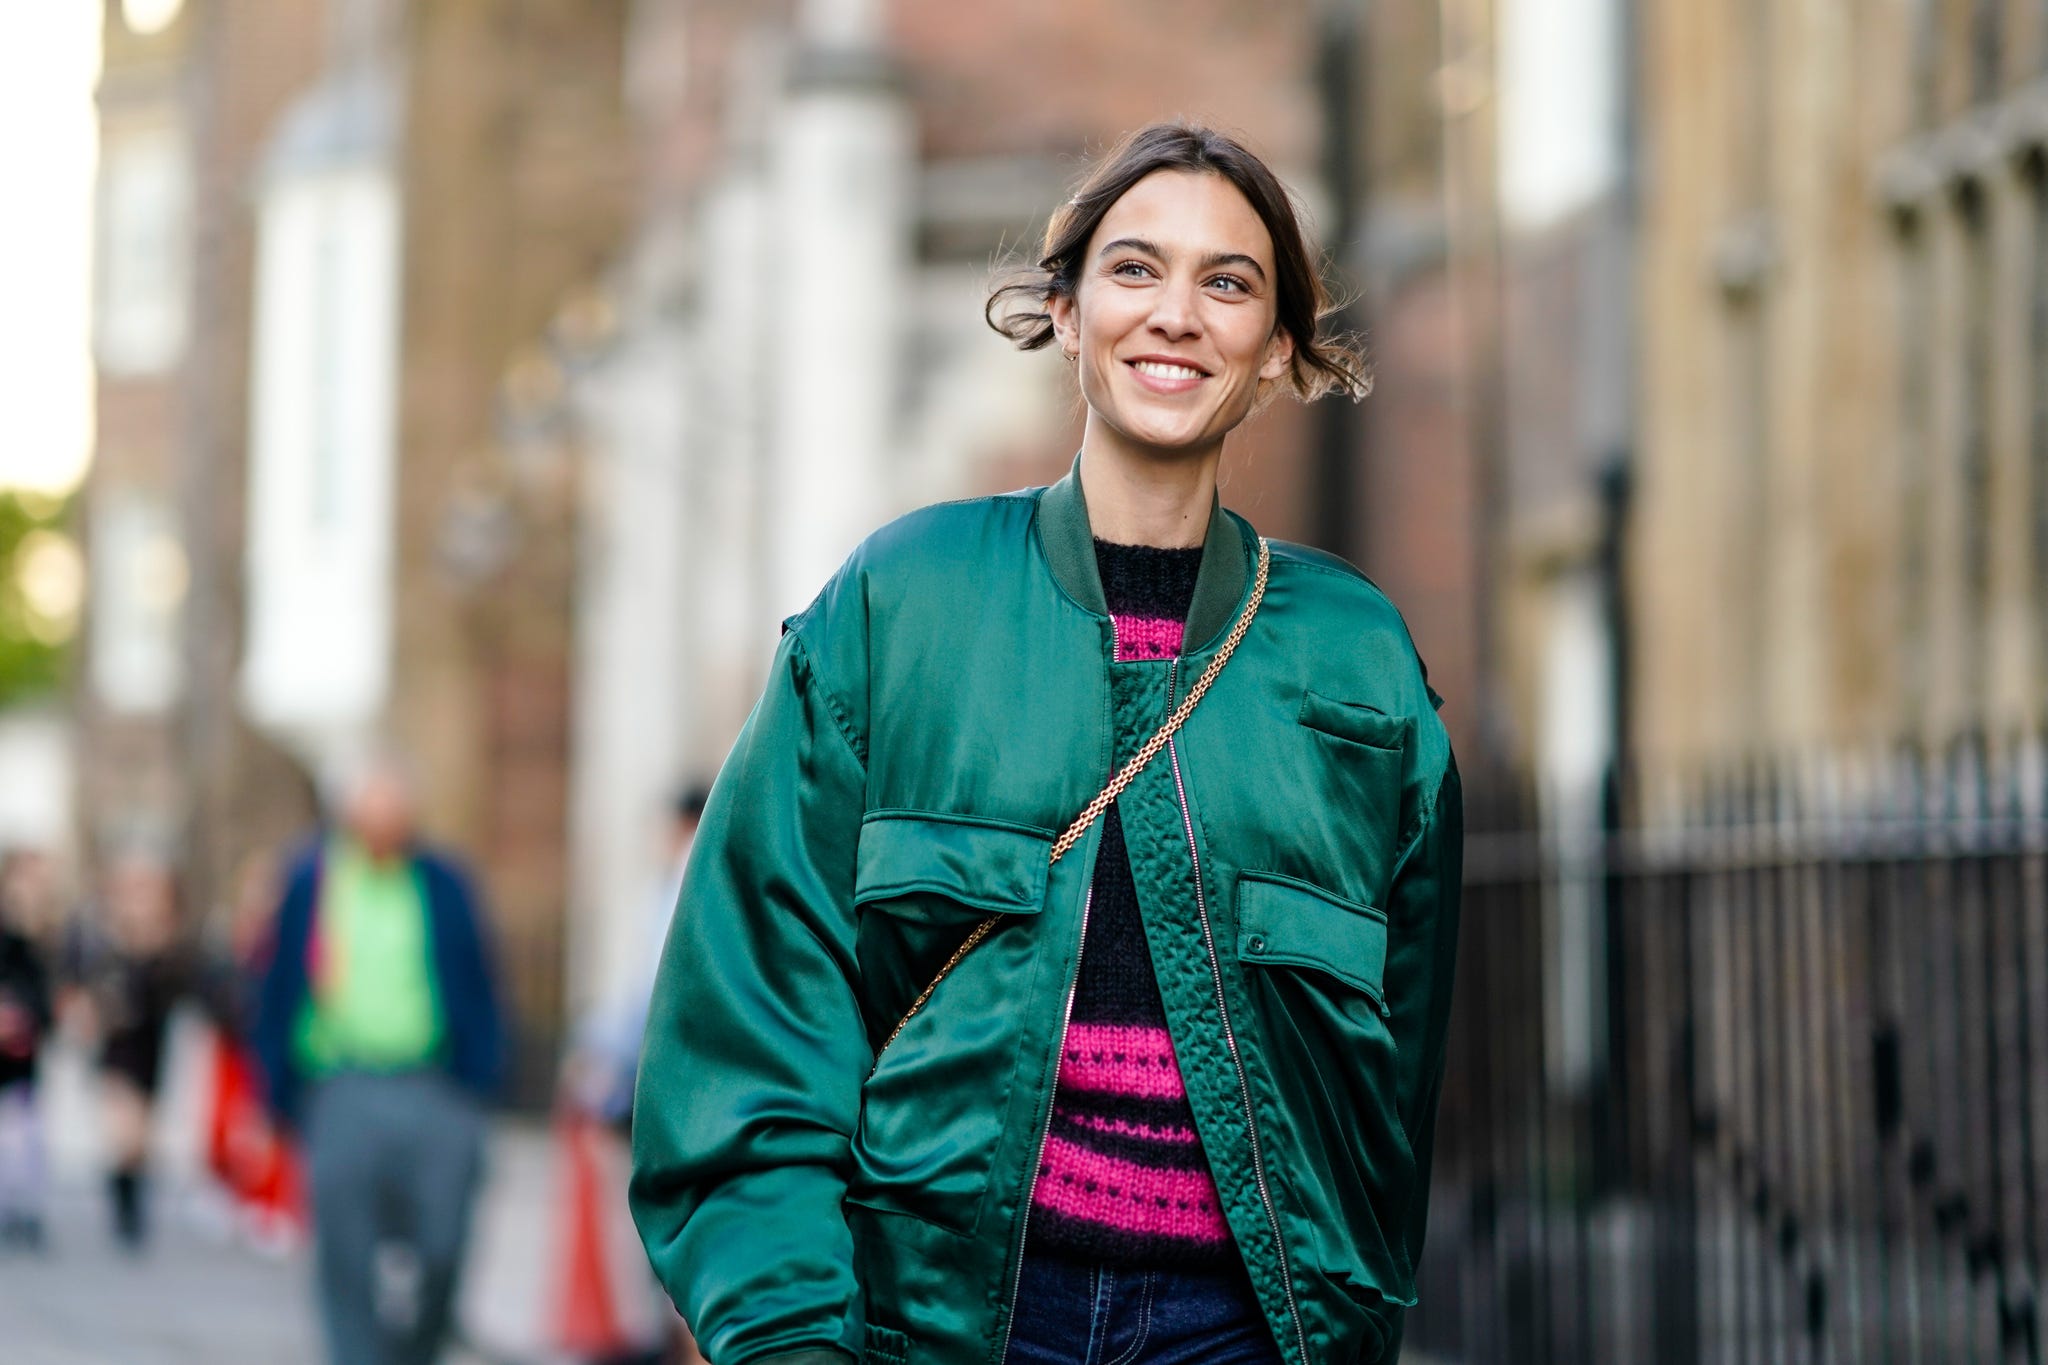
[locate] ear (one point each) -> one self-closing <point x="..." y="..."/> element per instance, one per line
<point x="1279" y="355"/>
<point x="1066" y="323"/>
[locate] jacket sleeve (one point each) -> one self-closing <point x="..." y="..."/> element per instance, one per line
<point x="468" y="963"/>
<point x="36" y="986"/>
<point x="281" y="990"/>
<point x="754" y="1055"/>
<point x="1422" y="955"/>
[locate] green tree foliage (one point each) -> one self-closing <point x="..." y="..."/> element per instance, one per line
<point x="40" y="587"/>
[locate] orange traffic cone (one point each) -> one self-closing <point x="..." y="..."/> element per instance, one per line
<point x="588" y="1319"/>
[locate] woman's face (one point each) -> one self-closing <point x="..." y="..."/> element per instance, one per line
<point x="1173" y="321"/>
<point x="141" y="904"/>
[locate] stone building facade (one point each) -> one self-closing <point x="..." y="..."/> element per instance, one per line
<point x="1843" y="534"/>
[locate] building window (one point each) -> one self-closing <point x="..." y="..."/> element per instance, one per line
<point x="322" y="451"/>
<point x="145" y="251"/>
<point x="150" y="17"/>
<point x="138" y="593"/>
<point x="1560" y="107"/>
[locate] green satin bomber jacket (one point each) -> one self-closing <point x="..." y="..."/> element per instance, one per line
<point x="931" y="723"/>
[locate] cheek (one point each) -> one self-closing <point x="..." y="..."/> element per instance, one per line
<point x="1096" y="380"/>
<point x="1245" y="340"/>
<point x="1107" y="318"/>
<point x="1101" y="329"/>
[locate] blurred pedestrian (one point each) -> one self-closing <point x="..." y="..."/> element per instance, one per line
<point x="605" y="1048"/>
<point x="920" y="1086"/>
<point x="127" y="964"/>
<point x="255" y="1161"/>
<point x="597" y="1090"/>
<point x="380" y="1040"/>
<point x="25" y="1016"/>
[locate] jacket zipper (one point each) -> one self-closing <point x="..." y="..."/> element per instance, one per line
<point x="1045" y="1134"/>
<point x="1244" y="1088"/>
<point x="1059" y="1054"/>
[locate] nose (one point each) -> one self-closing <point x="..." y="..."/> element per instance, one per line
<point x="1174" y="313"/>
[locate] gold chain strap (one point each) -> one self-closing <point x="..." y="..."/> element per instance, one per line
<point x="1123" y="779"/>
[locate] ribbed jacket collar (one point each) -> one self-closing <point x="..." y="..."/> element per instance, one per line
<point x="1069" y="543"/>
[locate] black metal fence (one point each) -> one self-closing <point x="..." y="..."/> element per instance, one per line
<point x="1755" y="1071"/>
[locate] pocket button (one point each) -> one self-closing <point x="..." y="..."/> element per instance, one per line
<point x="1258" y="943"/>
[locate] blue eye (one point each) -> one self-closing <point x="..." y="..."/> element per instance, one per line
<point x="1123" y="267"/>
<point x="1235" y="284"/>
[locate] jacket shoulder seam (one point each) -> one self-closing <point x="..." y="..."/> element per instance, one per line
<point x="1425" y="815"/>
<point x="1316" y="561"/>
<point x="842" y="722"/>
<point x="1014" y="495"/>
<point x="1351" y="574"/>
<point x="1345" y="572"/>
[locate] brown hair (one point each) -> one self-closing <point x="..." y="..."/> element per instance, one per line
<point x="1323" y="363"/>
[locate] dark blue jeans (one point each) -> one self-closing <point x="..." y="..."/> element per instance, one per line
<point x="1072" y="1313"/>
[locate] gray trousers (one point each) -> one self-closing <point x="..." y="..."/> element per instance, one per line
<point x="21" y="1151"/>
<point x="393" y="1162"/>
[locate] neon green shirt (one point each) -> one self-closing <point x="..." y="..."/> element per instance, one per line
<point x="374" y="1004"/>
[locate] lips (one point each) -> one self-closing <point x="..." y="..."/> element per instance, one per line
<point x="1166" y="376"/>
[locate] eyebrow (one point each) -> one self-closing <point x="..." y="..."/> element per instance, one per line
<point x="1209" y="262"/>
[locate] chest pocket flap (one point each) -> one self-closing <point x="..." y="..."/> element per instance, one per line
<point x="1284" y="922"/>
<point x="909" y="857"/>
<point x="1355" y="721"/>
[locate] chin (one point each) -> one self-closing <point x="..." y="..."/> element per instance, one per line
<point x="1169" y="446"/>
<point x="1168" y="438"/>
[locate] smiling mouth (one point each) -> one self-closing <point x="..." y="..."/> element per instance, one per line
<point x="1160" y="369"/>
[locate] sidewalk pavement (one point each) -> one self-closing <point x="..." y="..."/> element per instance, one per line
<point x="200" y="1294"/>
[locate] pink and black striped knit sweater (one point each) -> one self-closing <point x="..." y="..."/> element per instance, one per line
<point x="1124" y="1179"/>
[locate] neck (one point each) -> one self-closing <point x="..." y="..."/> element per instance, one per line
<point x="377" y="855"/>
<point x="1137" y="496"/>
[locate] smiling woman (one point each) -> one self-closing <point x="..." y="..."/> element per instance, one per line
<point x="918" y="1085"/>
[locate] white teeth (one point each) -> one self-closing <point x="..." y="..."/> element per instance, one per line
<point x="1159" y="370"/>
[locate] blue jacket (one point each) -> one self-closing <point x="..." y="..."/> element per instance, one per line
<point x="473" y="1043"/>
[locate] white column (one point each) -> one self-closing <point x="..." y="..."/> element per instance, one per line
<point x="840" y="23"/>
<point x="734" y="628"/>
<point x="323" y="450"/>
<point x="841" y="159"/>
<point x="633" y="694"/>
<point x="1574" y="750"/>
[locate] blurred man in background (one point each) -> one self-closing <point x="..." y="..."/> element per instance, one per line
<point x="379" y="1035"/>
